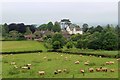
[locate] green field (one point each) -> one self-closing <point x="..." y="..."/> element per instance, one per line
<point x="55" y="61"/>
<point x="16" y="46"/>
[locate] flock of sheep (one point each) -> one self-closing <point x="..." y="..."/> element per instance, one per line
<point x="83" y="71"/>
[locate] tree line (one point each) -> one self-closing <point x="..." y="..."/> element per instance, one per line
<point x="98" y="38"/>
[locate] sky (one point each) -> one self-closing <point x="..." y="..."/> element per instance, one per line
<point x="42" y="11"/>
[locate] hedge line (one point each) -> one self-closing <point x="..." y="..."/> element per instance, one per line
<point x="83" y="53"/>
<point x="18" y="52"/>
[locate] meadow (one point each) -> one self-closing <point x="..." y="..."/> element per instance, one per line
<point x="16" y="46"/>
<point x="49" y="62"/>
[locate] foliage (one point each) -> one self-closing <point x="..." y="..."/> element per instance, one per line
<point x="85" y="27"/>
<point x="56" y="27"/>
<point x="28" y="31"/>
<point x="69" y="45"/>
<point x="56" y="45"/>
<point x="59" y="37"/>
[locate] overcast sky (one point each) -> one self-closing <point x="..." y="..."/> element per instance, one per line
<point x="43" y="12"/>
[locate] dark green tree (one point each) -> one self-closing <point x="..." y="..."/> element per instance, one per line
<point x="50" y="26"/>
<point x="56" y="45"/>
<point x="85" y="28"/>
<point x="58" y="37"/>
<point x="56" y="27"/>
<point x="69" y="44"/>
<point x="28" y="31"/>
<point x="110" y="41"/>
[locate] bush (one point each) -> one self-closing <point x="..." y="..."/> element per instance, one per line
<point x="69" y="45"/>
<point x="56" y="45"/>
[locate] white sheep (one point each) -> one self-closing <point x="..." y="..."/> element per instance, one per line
<point x="98" y="69"/>
<point x="91" y="70"/>
<point x="45" y="57"/>
<point x="41" y="72"/>
<point x="29" y="65"/>
<point x="86" y="63"/>
<point x="59" y="71"/>
<point x="111" y="62"/>
<point x="100" y="56"/>
<point x="15" y="66"/>
<point x="61" y="55"/>
<point x="104" y="69"/>
<point x="112" y="70"/>
<point x="64" y="70"/>
<point x="82" y="71"/>
<point x="13" y="63"/>
<point x="77" y="62"/>
<point x="81" y="55"/>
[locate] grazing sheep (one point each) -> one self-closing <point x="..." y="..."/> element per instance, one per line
<point x="90" y="55"/>
<point x="45" y="57"/>
<point x="15" y="66"/>
<point x="77" y="62"/>
<point x="82" y="71"/>
<point x="55" y="72"/>
<point x="25" y="67"/>
<point x="111" y="62"/>
<point x="41" y="72"/>
<point x="64" y="70"/>
<point x="91" y="70"/>
<point x="13" y="63"/>
<point x="104" y="69"/>
<point x="100" y="56"/>
<point x="112" y="70"/>
<point x="86" y="63"/>
<point x="98" y="70"/>
<point x="107" y="63"/>
<point x="81" y="55"/>
<point x="59" y="71"/>
<point x="118" y="59"/>
<point x="29" y="65"/>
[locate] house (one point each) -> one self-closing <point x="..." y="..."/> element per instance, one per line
<point x="66" y="25"/>
<point x="29" y="36"/>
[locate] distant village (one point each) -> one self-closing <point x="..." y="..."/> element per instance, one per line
<point x="67" y="29"/>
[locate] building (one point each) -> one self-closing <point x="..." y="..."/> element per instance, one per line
<point x="69" y="27"/>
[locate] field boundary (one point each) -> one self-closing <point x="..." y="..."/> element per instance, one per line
<point x="18" y="52"/>
<point x="86" y="53"/>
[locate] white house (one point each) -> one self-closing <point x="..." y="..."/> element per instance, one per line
<point x="69" y="27"/>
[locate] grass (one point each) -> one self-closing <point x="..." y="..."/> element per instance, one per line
<point x="56" y="61"/>
<point x="91" y="51"/>
<point x="15" y="46"/>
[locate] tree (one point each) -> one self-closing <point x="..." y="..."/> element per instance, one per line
<point x="98" y="29"/>
<point x="50" y="26"/>
<point x="69" y="45"/>
<point x="28" y="31"/>
<point x="95" y="41"/>
<point x="91" y="30"/>
<point x="58" y="37"/>
<point x="85" y="27"/>
<point x="56" y="45"/>
<point x="43" y="27"/>
<point x="56" y="27"/>
<point x="14" y="35"/>
<point x="110" y="41"/>
<point x="5" y="30"/>
<point x="75" y="37"/>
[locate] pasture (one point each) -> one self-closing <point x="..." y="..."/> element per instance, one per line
<point x="16" y="46"/>
<point x="51" y="61"/>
